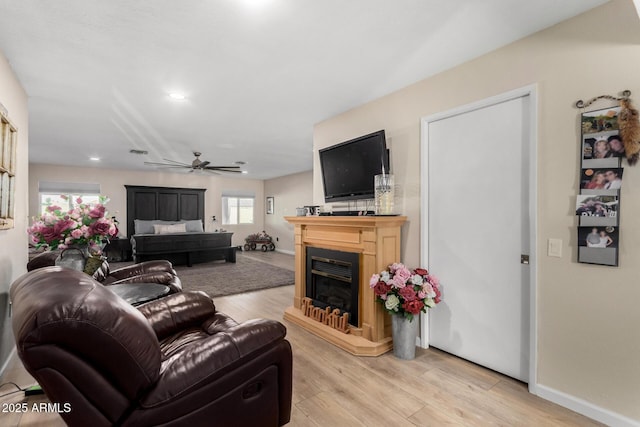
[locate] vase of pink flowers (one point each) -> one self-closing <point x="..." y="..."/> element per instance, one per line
<point x="78" y="232"/>
<point x="405" y="293"/>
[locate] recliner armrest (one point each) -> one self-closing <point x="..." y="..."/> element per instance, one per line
<point x="215" y="357"/>
<point x="255" y="334"/>
<point x="178" y="311"/>
<point x="154" y="266"/>
<point x="161" y="277"/>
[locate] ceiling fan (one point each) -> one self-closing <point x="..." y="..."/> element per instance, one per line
<point x="196" y="164"/>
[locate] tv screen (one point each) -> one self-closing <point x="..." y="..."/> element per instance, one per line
<point x="348" y="168"/>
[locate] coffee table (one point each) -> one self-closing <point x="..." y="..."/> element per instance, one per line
<point x="139" y="293"/>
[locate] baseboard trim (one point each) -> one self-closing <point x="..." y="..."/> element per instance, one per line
<point x="282" y="251"/>
<point x="585" y="408"/>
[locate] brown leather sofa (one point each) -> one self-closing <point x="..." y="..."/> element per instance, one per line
<point x="173" y="361"/>
<point x="157" y="271"/>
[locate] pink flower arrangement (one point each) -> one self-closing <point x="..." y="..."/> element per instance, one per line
<point x="83" y="225"/>
<point x="406" y="292"/>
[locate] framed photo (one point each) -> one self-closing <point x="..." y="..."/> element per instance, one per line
<point x="598" y="245"/>
<point x="270" y="205"/>
<point x="601" y="179"/>
<point x="597" y="121"/>
<point x="598" y="237"/>
<point x="593" y="205"/>
<point x="601" y="143"/>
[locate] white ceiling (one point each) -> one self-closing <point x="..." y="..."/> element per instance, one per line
<point x="258" y="74"/>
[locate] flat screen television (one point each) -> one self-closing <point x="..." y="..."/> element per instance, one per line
<point x="348" y="168"/>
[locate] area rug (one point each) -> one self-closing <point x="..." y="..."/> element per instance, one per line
<point x="219" y="278"/>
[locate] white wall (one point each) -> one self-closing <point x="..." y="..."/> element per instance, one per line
<point x="112" y="184"/>
<point x="13" y="260"/>
<point x="289" y="192"/>
<point x="588" y="316"/>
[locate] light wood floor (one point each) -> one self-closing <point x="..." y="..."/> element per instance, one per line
<point x="333" y="388"/>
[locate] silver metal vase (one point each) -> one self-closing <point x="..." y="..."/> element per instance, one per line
<point x="404" y="336"/>
<point x="74" y="257"/>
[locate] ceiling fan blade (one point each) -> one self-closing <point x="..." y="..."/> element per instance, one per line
<point x="203" y="165"/>
<point x="222" y="167"/>
<point x="223" y="170"/>
<point x="165" y="164"/>
<point x="178" y="163"/>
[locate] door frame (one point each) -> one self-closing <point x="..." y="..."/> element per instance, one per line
<point x="531" y="92"/>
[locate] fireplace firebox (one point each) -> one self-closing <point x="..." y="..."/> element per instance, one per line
<point x="332" y="280"/>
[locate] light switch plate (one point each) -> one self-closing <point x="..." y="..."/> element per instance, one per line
<point x="554" y="248"/>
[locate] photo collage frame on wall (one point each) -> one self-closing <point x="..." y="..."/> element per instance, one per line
<point x="601" y="176"/>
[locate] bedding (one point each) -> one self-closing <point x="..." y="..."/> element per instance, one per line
<point x="169" y="229"/>
<point x="142" y="226"/>
<point x="187" y="247"/>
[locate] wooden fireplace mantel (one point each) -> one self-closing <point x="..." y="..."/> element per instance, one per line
<point x="377" y="240"/>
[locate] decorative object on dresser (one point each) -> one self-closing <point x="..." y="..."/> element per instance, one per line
<point x="405" y="293"/>
<point x="156" y="218"/>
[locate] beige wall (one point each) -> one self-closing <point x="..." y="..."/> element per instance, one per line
<point x="588" y="316"/>
<point x="13" y="262"/>
<point x="112" y="184"/>
<point x="289" y="192"/>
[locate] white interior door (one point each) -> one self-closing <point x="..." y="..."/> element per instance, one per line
<point x="478" y="228"/>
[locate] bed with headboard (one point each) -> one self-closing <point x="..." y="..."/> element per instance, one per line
<point x="168" y="223"/>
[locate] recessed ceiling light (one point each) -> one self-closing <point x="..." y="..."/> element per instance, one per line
<point x="177" y="96"/>
<point x="94" y="159"/>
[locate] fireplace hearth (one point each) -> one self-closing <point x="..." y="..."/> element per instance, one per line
<point x="332" y="280"/>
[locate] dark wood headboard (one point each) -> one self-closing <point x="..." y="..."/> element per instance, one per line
<point x="165" y="203"/>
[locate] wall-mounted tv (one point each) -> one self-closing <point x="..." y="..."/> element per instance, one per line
<point x="348" y="168"/>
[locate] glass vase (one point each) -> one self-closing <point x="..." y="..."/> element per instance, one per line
<point x="384" y="194"/>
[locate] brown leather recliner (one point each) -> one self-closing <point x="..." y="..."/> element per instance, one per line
<point x="173" y="361"/>
<point x="157" y="271"/>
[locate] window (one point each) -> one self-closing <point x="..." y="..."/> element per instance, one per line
<point x="69" y="203"/>
<point x="8" y="145"/>
<point x="51" y="193"/>
<point x="237" y="210"/>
